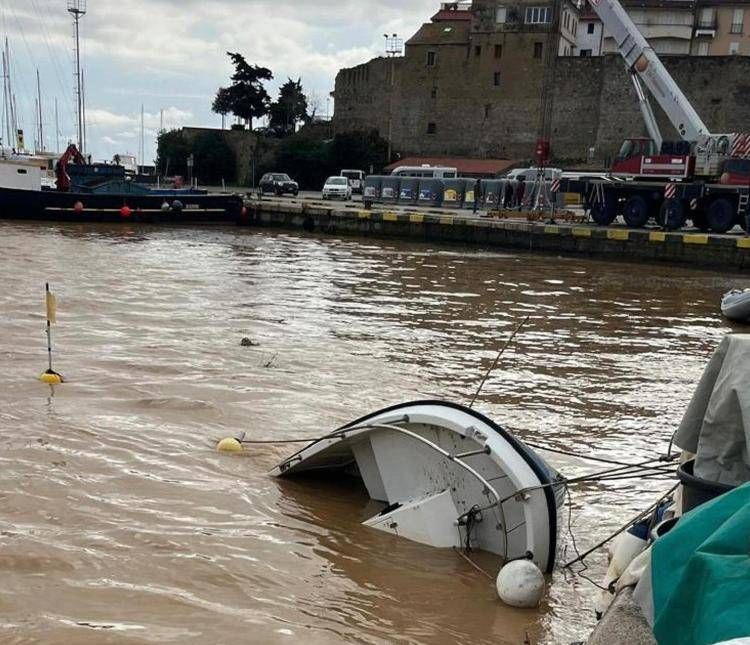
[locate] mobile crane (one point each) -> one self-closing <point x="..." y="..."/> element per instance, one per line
<point x="703" y="177"/>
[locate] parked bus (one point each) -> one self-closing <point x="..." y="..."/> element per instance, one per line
<point x="426" y="172"/>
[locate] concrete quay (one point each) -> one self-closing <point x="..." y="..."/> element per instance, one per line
<point x="729" y="252"/>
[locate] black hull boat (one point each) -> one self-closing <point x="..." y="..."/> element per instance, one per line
<point x="148" y="208"/>
<point x="103" y="193"/>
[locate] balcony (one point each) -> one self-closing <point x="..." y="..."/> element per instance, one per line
<point x="706" y="28"/>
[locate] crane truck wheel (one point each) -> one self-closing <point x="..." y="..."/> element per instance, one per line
<point x="636" y="212"/>
<point x="672" y="215"/>
<point x="720" y="215"/>
<point x="604" y="212"/>
<point x="700" y="220"/>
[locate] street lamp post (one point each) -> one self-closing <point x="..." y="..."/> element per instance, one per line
<point x="393" y="47"/>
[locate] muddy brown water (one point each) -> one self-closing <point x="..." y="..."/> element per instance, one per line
<point x="120" y="524"/>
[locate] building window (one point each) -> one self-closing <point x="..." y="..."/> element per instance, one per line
<point x="433" y="93"/>
<point x="586" y="53"/>
<point x="590" y="28"/>
<point x="734" y="49"/>
<point x="477" y="50"/>
<point x="738" y="18"/>
<point x="538" y="49"/>
<point x="702" y="49"/>
<point x="707" y="18"/>
<point x="538" y="15"/>
<point x="431" y="59"/>
<point x="431" y="127"/>
<point x="500" y="15"/>
<point x="497" y="78"/>
<point x="498" y="51"/>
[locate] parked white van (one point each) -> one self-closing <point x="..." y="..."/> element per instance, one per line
<point x="356" y="180"/>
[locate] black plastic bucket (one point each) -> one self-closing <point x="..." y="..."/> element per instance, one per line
<point x="697" y="491"/>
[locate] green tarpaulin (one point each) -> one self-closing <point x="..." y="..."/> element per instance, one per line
<point x="700" y="574"/>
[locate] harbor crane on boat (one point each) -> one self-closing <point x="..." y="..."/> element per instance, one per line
<point x="703" y="176"/>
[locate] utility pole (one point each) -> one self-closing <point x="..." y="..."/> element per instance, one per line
<point x="77" y="9"/>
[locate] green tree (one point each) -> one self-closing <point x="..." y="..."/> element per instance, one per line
<point x="360" y="149"/>
<point x="222" y="103"/>
<point x="289" y="109"/>
<point x="172" y="153"/>
<point x="246" y="98"/>
<point x="214" y="159"/>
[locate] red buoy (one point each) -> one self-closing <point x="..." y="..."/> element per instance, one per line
<point x="78" y="207"/>
<point x="125" y="212"/>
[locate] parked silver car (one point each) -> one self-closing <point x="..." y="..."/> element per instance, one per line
<point x="337" y="188"/>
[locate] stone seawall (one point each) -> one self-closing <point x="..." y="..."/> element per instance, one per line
<point x="696" y="250"/>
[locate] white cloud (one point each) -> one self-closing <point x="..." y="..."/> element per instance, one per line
<point x="164" y="53"/>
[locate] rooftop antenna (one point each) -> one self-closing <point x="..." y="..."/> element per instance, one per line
<point x="77" y="9"/>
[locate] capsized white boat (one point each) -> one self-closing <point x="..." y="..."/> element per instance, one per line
<point x="447" y="477"/>
<point x="736" y="305"/>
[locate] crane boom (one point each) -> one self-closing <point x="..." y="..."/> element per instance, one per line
<point x="642" y="61"/>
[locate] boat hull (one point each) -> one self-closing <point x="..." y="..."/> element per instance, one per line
<point x="736" y="306"/>
<point x="448" y="476"/>
<point x="48" y="205"/>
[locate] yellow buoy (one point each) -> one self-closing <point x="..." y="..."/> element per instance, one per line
<point x="51" y="378"/>
<point x="230" y="444"/>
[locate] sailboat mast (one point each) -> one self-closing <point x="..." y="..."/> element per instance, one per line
<point x="36" y="125"/>
<point x="57" y="127"/>
<point x="11" y="100"/>
<point x="19" y="142"/>
<point x="39" y="102"/>
<point x="83" y="104"/>
<point x="143" y="141"/>
<point x="6" y="102"/>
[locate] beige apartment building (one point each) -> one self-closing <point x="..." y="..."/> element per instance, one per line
<point x="666" y="24"/>
<point x="675" y="27"/>
<point x="722" y="28"/>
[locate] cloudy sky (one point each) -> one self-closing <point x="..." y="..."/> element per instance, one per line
<point x="170" y="55"/>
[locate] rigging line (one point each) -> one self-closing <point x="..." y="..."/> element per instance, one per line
<point x="54" y="52"/>
<point x="26" y="92"/>
<point x="472" y="563"/>
<point x="600" y="476"/>
<point x="575" y="545"/>
<point x="625" y="527"/>
<point x="568" y="453"/>
<point x="497" y="360"/>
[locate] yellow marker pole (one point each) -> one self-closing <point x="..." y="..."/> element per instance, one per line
<point x="50" y="376"/>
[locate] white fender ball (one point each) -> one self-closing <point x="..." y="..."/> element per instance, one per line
<point x="520" y="584"/>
